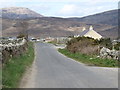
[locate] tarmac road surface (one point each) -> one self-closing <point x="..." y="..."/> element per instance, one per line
<point x="54" y="70"/>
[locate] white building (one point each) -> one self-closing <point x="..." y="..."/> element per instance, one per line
<point x="90" y="33"/>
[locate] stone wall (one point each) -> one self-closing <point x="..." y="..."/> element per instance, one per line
<point x="12" y="48"/>
<point x="110" y="54"/>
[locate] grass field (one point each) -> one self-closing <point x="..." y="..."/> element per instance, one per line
<point x="12" y="72"/>
<point x="90" y="60"/>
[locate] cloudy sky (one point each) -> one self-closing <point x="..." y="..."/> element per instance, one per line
<point x="63" y="8"/>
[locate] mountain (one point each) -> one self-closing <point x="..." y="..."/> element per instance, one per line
<point x="110" y="33"/>
<point x="49" y="26"/>
<point x="19" y="13"/>
<point x="108" y="17"/>
<point x="104" y="23"/>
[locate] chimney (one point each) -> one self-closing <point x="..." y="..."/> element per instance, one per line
<point x="83" y="29"/>
<point x="91" y="28"/>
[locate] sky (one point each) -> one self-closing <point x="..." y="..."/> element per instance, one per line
<point x="63" y="8"/>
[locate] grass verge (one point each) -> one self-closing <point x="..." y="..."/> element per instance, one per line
<point x="53" y="42"/>
<point x="90" y="60"/>
<point x="12" y="72"/>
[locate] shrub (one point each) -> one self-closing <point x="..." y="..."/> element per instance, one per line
<point x="21" y="36"/>
<point x="106" y="42"/>
<point x="84" y="45"/>
<point x="87" y="45"/>
<point x="117" y="46"/>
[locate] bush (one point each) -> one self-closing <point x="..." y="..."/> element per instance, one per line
<point x="21" y="36"/>
<point x="87" y="45"/>
<point x="117" y="46"/>
<point x="106" y="42"/>
<point x="84" y="45"/>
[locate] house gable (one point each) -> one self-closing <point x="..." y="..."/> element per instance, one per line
<point x="91" y="33"/>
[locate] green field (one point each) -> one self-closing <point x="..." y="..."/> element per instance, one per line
<point x="13" y="71"/>
<point x="90" y="60"/>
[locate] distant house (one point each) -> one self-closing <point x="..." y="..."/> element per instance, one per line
<point x="90" y="33"/>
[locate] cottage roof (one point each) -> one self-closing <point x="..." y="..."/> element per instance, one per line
<point x="84" y="32"/>
<point x="90" y="33"/>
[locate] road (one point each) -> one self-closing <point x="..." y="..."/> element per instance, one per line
<point x="54" y="70"/>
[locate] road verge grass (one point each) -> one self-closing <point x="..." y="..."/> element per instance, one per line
<point x="12" y="72"/>
<point x="90" y="60"/>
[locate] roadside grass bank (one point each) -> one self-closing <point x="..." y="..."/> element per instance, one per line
<point x="53" y="42"/>
<point x="13" y="71"/>
<point x="90" y="60"/>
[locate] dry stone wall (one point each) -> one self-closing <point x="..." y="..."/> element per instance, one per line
<point x="12" y="48"/>
<point x="110" y="54"/>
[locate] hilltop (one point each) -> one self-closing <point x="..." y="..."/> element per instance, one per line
<point x="19" y="13"/>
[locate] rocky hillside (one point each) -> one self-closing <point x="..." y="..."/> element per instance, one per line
<point x="112" y="32"/>
<point x="19" y="13"/>
<point x="104" y="23"/>
<point x="108" y="17"/>
<point x="49" y="26"/>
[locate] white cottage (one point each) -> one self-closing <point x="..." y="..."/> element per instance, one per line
<point x="90" y="33"/>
